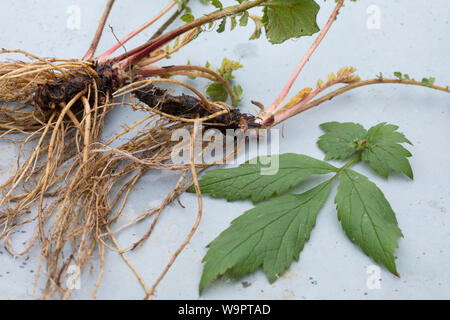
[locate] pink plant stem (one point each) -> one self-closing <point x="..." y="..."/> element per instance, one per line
<point x="286" y="113"/>
<point x="154" y="70"/>
<point x="134" y="56"/>
<point x="98" y="34"/>
<point x="105" y="55"/>
<point x="159" y="42"/>
<point x="304" y="105"/>
<point x="271" y="109"/>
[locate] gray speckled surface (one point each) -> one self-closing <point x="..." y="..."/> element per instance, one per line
<point x="413" y="37"/>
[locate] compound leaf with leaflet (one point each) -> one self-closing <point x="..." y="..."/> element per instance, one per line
<point x="274" y="233"/>
<point x="269" y="236"/>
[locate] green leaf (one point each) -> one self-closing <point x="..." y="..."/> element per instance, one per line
<point x="247" y="182"/>
<point x="187" y="17"/>
<point x="342" y="140"/>
<point x="428" y="81"/>
<point x="228" y="67"/>
<point x="398" y="74"/>
<point x="216" y="91"/>
<point x="237" y="90"/>
<point x="367" y="218"/>
<point x="286" y="19"/>
<point x="217" y="4"/>
<point x="384" y="152"/>
<point x="269" y="236"/>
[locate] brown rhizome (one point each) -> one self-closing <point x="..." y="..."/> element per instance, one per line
<point x="59" y="106"/>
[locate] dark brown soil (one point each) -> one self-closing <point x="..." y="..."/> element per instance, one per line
<point x="50" y="96"/>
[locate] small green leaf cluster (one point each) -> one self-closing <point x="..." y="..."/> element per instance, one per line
<point x="243" y="21"/>
<point x="242" y="16"/>
<point x="272" y="234"/>
<point x="426" y="81"/>
<point x="216" y="91"/>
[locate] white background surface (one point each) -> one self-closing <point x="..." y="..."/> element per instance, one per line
<point x="414" y="38"/>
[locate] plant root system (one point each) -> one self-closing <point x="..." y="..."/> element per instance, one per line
<point x="55" y="109"/>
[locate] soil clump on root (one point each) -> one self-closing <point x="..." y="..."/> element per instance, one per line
<point x="189" y="107"/>
<point x="62" y="90"/>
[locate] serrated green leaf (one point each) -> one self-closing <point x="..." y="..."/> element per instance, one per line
<point x="341" y="140"/>
<point x="384" y="152"/>
<point x="286" y="19"/>
<point x="367" y="218"/>
<point x="247" y="182"/>
<point x="216" y="91"/>
<point x="269" y="236"/>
